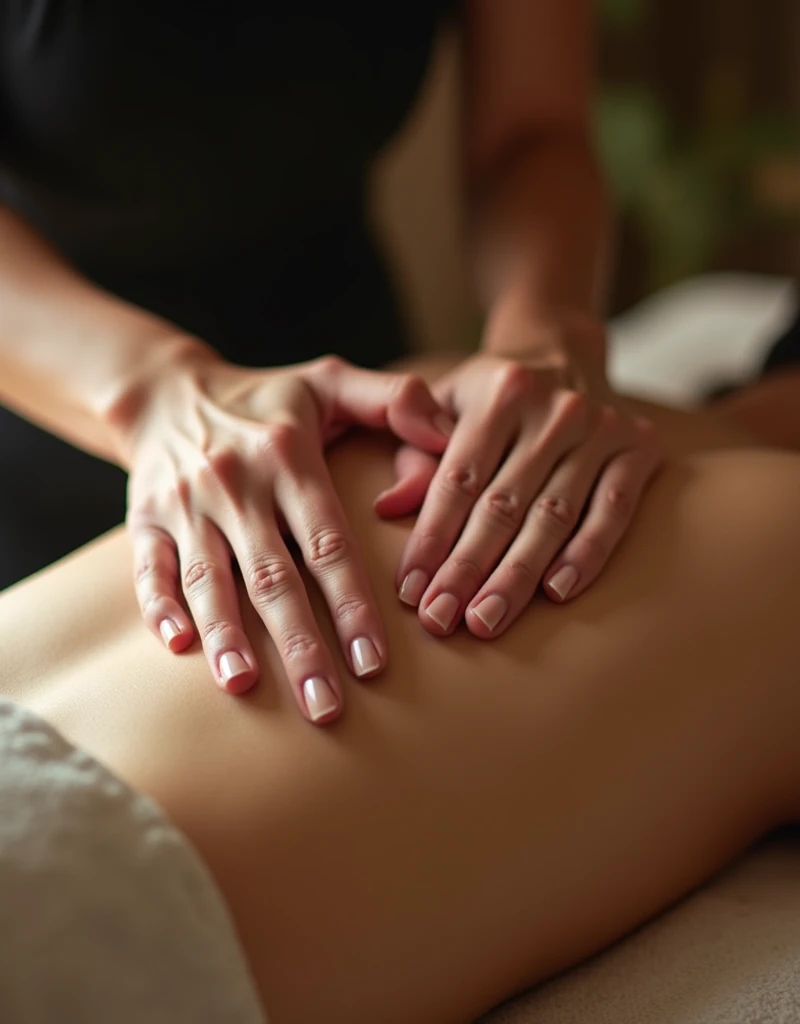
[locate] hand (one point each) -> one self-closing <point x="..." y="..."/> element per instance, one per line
<point x="217" y="455"/>
<point x="538" y="484"/>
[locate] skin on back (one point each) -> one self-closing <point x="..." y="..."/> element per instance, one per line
<point x="484" y="814"/>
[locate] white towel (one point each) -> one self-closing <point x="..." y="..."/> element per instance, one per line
<point x="106" y="913"/>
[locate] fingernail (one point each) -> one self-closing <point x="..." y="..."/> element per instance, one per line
<point x="169" y="631"/>
<point x="442" y="609"/>
<point x="491" y="610"/>
<point x="564" y="580"/>
<point x="365" y="656"/>
<point x="444" y="424"/>
<point x="413" y="587"/>
<point x="320" y="698"/>
<point x="232" y="665"/>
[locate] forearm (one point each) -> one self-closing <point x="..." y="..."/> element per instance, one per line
<point x="540" y="231"/>
<point x="73" y="358"/>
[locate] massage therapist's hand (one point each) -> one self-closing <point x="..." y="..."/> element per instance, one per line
<point x="538" y="484"/>
<point x="220" y="457"/>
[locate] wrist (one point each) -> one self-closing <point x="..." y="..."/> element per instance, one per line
<point x="519" y="327"/>
<point x="159" y="362"/>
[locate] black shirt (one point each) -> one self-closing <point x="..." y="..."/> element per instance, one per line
<point x="207" y="159"/>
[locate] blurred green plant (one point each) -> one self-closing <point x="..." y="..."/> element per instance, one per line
<point x="690" y="189"/>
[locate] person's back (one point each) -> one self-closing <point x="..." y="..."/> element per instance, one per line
<point x="486" y="813"/>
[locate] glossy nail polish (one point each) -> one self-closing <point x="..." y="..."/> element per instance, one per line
<point x="365" y="656"/>
<point x="564" y="580"/>
<point x="491" y="610"/>
<point x="319" y="697"/>
<point x="232" y="665"/>
<point x="442" y="610"/>
<point x="413" y="587"/>
<point x="169" y="632"/>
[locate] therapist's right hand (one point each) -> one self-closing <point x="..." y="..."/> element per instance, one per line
<point x="221" y="458"/>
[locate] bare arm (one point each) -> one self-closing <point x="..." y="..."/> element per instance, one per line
<point x="539" y="217"/>
<point x="73" y="357"/>
<point x="545" y="470"/>
<point x="214" y="451"/>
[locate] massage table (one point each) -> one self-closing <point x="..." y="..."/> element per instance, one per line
<point x="730" y="952"/>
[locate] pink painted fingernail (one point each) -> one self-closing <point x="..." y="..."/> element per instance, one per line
<point x="169" y="631"/>
<point x="319" y="697"/>
<point x="442" y="610"/>
<point x="231" y="666"/>
<point x="413" y="587"/>
<point x="365" y="656"/>
<point x="564" y="580"/>
<point x="491" y="610"/>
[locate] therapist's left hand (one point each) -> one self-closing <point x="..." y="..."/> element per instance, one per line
<point x="539" y="483"/>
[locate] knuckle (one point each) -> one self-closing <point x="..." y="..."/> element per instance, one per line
<point x="515" y="380"/>
<point x="429" y="548"/>
<point x="503" y="508"/>
<point x="460" y="481"/>
<point x="326" y="546"/>
<point x="572" y="410"/>
<point x="214" y="632"/>
<point x="142" y="513"/>
<point x="408" y="387"/>
<point x="556" y="515"/>
<point x="609" y="421"/>
<point x="268" y="577"/>
<point x="182" y="493"/>
<point x="467" y="568"/>
<point x="221" y="465"/>
<point x="330" y="364"/>
<point x="593" y="549"/>
<point x="151" y="604"/>
<point x="350" y="608"/>
<point x="146" y="571"/>
<point x="198" y="573"/>
<point x="520" y="577"/>
<point x="279" y="441"/>
<point x="295" y="646"/>
<point x="619" y="502"/>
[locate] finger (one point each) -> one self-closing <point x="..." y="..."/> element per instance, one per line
<point x="497" y="515"/>
<point x="494" y="522"/>
<point x="400" y="402"/>
<point x="475" y="449"/>
<point x="278" y="594"/>
<point x="612" y="508"/>
<point x="549" y="523"/>
<point x="316" y="518"/>
<point x="210" y="592"/>
<point x="415" y="470"/>
<point x="155" y="573"/>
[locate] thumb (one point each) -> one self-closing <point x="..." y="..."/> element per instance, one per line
<point x="414" y="470"/>
<point x="400" y="402"/>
